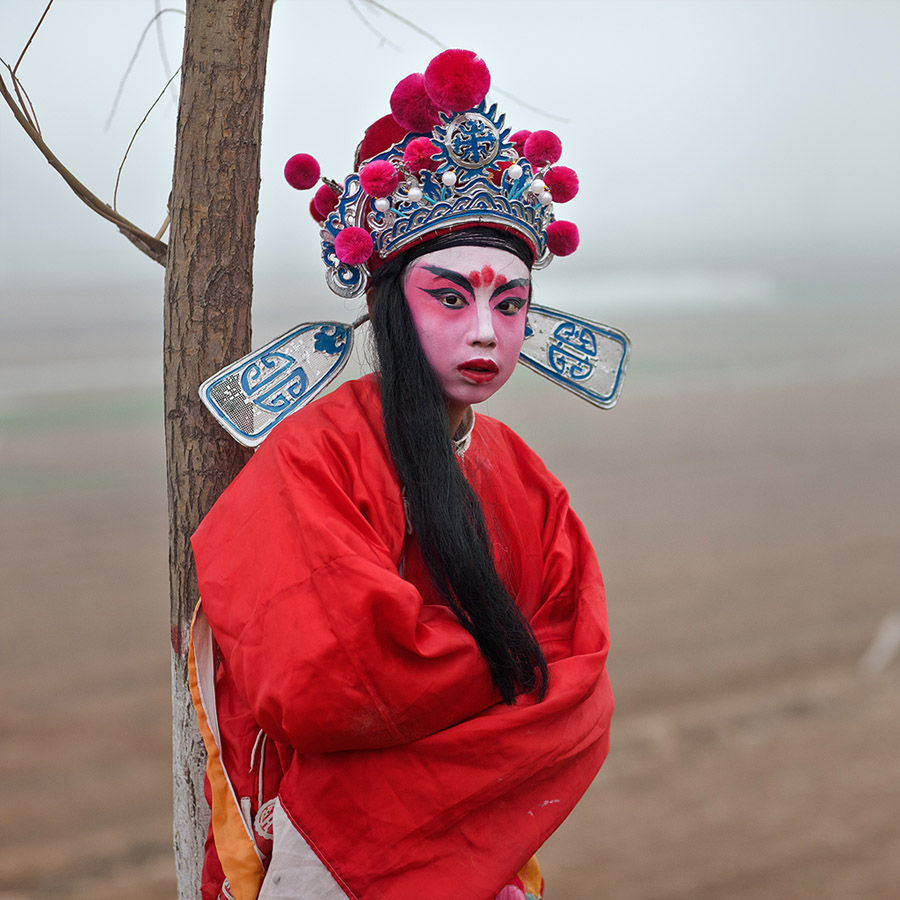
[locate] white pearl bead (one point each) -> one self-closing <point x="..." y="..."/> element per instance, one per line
<point x="449" y="178"/>
<point x="382" y="204"/>
<point x="414" y="194"/>
<point x="514" y="172"/>
<point x="536" y="186"/>
<point x="545" y="198"/>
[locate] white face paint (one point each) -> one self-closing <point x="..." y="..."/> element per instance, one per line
<point x="469" y="305"/>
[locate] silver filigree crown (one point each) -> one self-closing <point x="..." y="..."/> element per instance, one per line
<point x="479" y="177"/>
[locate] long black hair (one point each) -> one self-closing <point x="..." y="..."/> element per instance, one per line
<point x="444" y="511"/>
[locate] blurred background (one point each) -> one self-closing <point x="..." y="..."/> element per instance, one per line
<point x="740" y="219"/>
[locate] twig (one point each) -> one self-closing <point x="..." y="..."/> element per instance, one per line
<point x="382" y="37"/>
<point x="407" y="22"/>
<point x="160" y="39"/>
<point x="133" y="60"/>
<point x="21" y="94"/>
<point x="163" y="227"/>
<point x="33" y="33"/>
<point x="136" y="130"/>
<point x="434" y="40"/>
<point x="152" y="247"/>
<point x="529" y="106"/>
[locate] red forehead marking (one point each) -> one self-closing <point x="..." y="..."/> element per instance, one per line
<point x="486" y="277"/>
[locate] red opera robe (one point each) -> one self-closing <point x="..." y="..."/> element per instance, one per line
<point x="396" y="760"/>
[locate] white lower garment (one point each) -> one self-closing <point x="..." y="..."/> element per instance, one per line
<point x="295" y="872"/>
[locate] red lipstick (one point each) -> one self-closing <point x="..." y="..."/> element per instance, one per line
<point x="479" y="371"/>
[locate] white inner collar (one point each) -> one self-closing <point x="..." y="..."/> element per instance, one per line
<point x="463" y="436"/>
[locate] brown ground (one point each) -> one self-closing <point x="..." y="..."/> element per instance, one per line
<point x="744" y="502"/>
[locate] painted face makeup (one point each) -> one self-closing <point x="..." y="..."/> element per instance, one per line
<point x="469" y="305"/>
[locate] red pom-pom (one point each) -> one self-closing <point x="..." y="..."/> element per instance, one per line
<point x="457" y="80"/>
<point x="314" y="212"/>
<point x="378" y="137"/>
<point x="411" y="106"/>
<point x="562" y="182"/>
<point x="325" y="200"/>
<point x="497" y="176"/>
<point x="379" y="178"/>
<point x="543" y="147"/>
<point x="518" y="140"/>
<point x="562" y="238"/>
<point x="418" y="155"/>
<point x="301" y="171"/>
<point x="353" y="245"/>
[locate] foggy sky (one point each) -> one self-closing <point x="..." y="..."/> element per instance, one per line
<point x="754" y="137"/>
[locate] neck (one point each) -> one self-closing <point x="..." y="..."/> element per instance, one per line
<point x="457" y="414"/>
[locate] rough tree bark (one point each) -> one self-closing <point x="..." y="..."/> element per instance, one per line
<point x="208" y="291"/>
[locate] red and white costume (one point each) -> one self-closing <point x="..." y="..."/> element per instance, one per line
<point x="399" y="773"/>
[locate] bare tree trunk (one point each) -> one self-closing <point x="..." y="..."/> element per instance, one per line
<point x="208" y="291"/>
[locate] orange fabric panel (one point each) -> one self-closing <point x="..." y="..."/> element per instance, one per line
<point x="235" y="847"/>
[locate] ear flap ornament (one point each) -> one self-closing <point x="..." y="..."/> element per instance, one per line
<point x="251" y="396"/>
<point x="582" y="356"/>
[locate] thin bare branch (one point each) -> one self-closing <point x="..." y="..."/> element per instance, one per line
<point x="25" y="103"/>
<point x="439" y="43"/>
<point x="137" y="130"/>
<point x="529" y="106"/>
<point x="33" y="33"/>
<point x="154" y="248"/>
<point x="383" y="38"/>
<point x="163" y="227"/>
<point x="31" y="112"/>
<point x="133" y="60"/>
<point x="409" y="24"/>
<point x="161" y="41"/>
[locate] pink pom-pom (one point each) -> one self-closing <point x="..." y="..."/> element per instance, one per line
<point x="543" y="147"/>
<point x="314" y="212"/>
<point x="325" y="200"/>
<point x="518" y="140"/>
<point x="353" y="245"/>
<point x="457" y="80"/>
<point x="301" y="171"/>
<point x="418" y="155"/>
<point x="562" y="182"/>
<point x="411" y="106"/>
<point x="379" y="178"/>
<point x="562" y="238"/>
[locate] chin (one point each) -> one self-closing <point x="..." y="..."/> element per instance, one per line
<point x="476" y="393"/>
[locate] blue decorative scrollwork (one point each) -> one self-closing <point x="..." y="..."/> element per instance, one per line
<point x="273" y="381"/>
<point x="330" y="339"/>
<point x="262" y="371"/>
<point x="572" y="351"/>
<point x="285" y="393"/>
<point x="473" y="142"/>
<point x="577" y="336"/>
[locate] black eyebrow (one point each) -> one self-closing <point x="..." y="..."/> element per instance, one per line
<point x="450" y="275"/>
<point x="511" y="286"/>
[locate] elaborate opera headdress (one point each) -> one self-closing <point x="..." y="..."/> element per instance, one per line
<point x="442" y="161"/>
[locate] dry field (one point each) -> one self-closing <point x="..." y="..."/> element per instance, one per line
<point x="745" y="504"/>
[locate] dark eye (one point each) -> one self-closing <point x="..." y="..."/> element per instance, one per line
<point x="449" y="298"/>
<point x="509" y="306"/>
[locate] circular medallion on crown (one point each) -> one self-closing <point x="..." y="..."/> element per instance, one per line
<point x="472" y="141"/>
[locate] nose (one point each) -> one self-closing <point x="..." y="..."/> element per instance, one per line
<point x="483" y="328"/>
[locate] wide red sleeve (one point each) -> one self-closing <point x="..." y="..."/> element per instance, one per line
<point x="329" y="646"/>
<point x="490" y="789"/>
